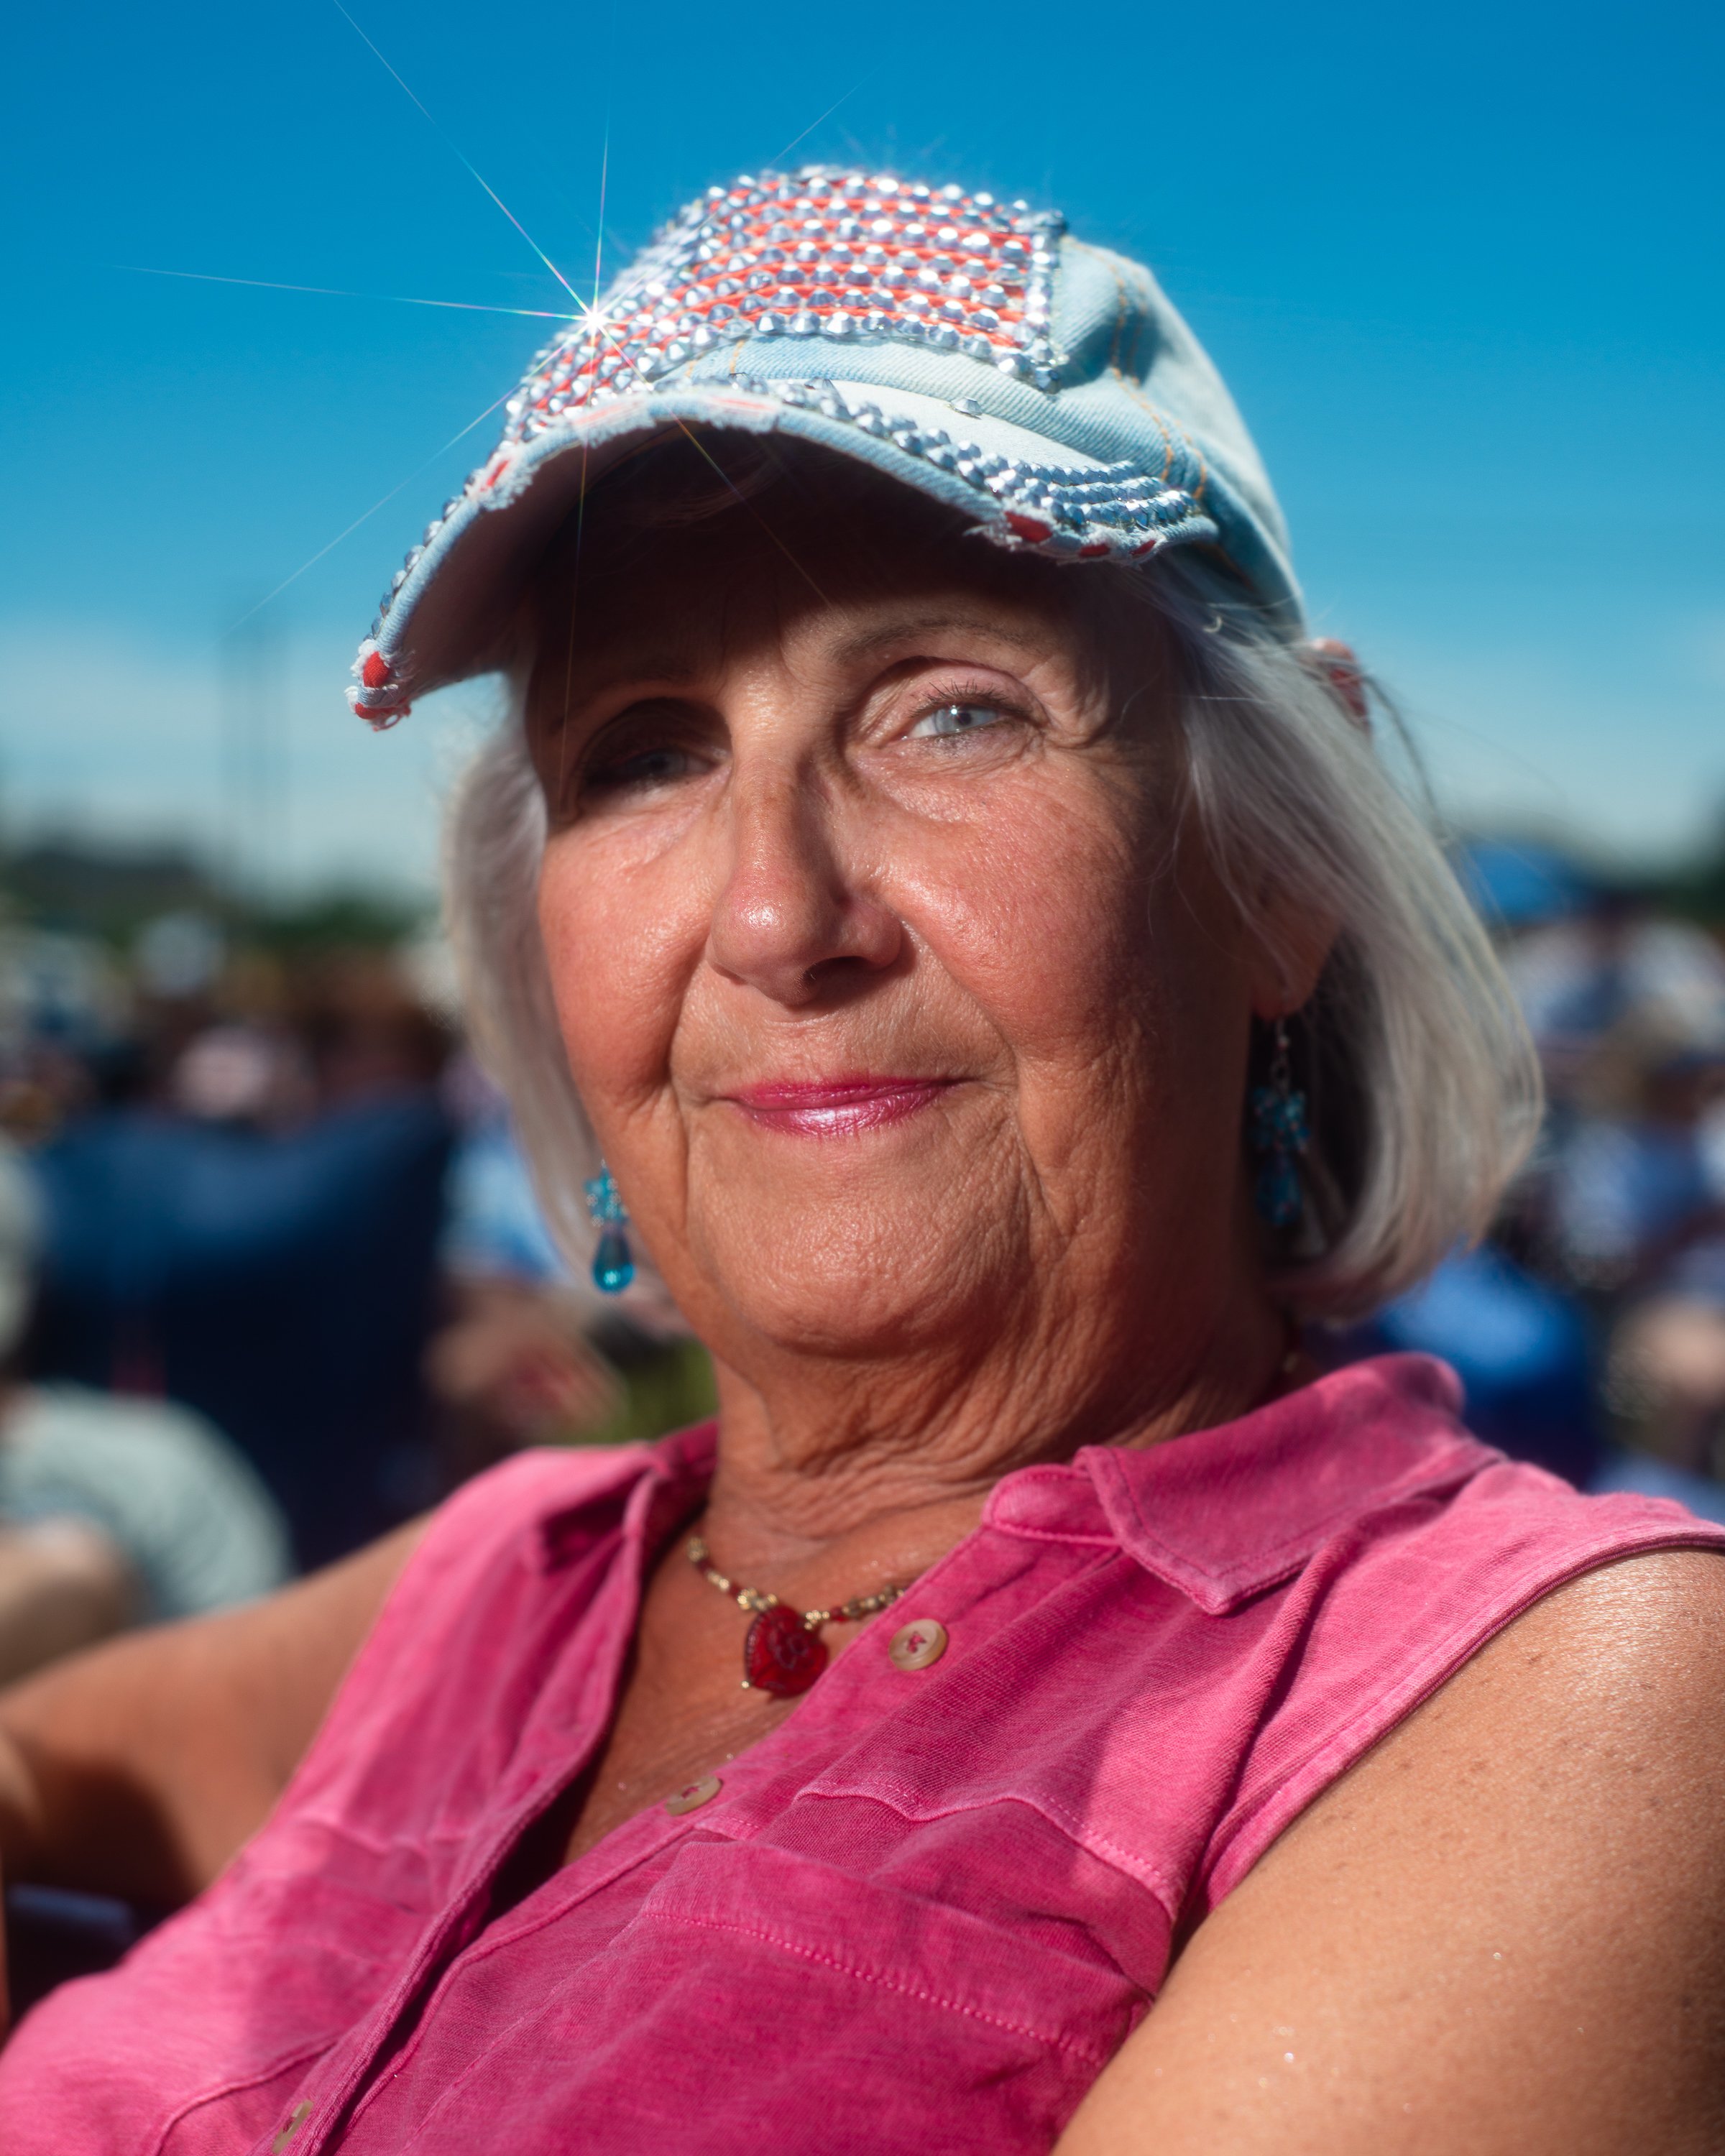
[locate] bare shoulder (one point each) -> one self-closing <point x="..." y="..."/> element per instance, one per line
<point x="1645" y="1627"/>
<point x="1614" y="1680"/>
<point x="1503" y="1931"/>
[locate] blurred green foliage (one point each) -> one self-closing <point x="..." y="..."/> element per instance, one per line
<point x="666" y="1386"/>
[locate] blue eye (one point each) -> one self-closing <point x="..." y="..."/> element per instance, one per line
<point x="947" y="720"/>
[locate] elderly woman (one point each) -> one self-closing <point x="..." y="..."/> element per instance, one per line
<point x="927" y="869"/>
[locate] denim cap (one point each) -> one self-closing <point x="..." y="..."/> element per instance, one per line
<point x="1043" y="388"/>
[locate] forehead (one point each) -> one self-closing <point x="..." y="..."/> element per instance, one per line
<point x="686" y="557"/>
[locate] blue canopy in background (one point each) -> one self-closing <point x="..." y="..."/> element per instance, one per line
<point x="1517" y="884"/>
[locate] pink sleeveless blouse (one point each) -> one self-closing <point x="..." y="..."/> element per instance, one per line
<point x="920" y="1915"/>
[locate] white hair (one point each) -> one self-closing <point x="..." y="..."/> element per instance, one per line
<point x="1423" y="1088"/>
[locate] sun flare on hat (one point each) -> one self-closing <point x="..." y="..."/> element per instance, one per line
<point x="1045" y="389"/>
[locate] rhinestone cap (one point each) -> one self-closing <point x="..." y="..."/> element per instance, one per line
<point x="970" y="347"/>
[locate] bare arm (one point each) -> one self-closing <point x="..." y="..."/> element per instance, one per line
<point x="1502" y="1933"/>
<point x="139" y="1767"/>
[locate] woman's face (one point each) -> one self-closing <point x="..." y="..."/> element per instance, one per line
<point x="898" y="988"/>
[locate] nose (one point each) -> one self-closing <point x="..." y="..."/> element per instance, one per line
<point x="794" y="919"/>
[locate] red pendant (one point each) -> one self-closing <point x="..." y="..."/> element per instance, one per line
<point x="781" y="1655"/>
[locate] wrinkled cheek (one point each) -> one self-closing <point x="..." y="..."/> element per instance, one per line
<point x="1105" y="966"/>
<point x="616" y="976"/>
<point x="1049" y="927"/>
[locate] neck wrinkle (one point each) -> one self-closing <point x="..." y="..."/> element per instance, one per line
<point x="849" y="1516"/>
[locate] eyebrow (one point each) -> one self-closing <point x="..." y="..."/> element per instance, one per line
<point x="645" y="666"/>
<point x="671" y="671"/>
<point x="868" y="641"/>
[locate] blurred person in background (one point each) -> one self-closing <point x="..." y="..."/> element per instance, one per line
<point x="260" y="1243"/>
<point x="1637" y="1176"/>
<point x="1624" y="1208"/>
<point x="1641" y="1204"/>
<point x="510" y="1364"/>
<point x="1607" y="966"/>
<point x="63" y="1585"/>
<point x="1589" y="1328"/>
<point x="1520" y="1338"/>
<point x="112" y="1511"/>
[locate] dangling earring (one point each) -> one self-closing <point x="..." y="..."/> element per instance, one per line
<point x="614" y="1265"/>
<point x="1280" y="1132"/>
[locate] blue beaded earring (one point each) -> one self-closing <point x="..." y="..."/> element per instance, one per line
<point x="1281" y="1133"/>
<point x="614" y="1265"/>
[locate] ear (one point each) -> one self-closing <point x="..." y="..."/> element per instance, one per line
<point x="1288" y="954"/>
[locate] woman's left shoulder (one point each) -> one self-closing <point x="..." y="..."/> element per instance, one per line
<point x="1638" y="1639"/>
<point x="1502" y="1930"/>
<point x="1529" y="1571"/>
<point x="1506" y="1537"/>
<point x="1588" y="1733"/>
<point x="1429" y="1549"/>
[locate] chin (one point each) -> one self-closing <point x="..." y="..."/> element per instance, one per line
<point x="861" y="1279"/>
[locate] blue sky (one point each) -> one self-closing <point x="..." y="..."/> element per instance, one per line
<point x="1461" y="266"/>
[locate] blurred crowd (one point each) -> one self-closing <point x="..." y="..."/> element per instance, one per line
<point x="272" y="1279"/>
<point x="1589" y="1328"/>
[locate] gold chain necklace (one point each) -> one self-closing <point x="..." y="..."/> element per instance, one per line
<point x="784" y="1652"/>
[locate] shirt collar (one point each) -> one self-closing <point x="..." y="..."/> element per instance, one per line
<point x="1220" y="1514"/>
<point x="643" y="1488"/>
<point x="1223" y="1513"/>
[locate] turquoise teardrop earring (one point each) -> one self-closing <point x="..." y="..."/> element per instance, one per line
<point x="614" y="1265"/>
<point x="1281" y="1133"/>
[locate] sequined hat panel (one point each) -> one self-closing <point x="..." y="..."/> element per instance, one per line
<point x="1044" y="389"/>
<point x="840" y="256"/>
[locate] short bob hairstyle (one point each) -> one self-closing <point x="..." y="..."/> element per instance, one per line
<point x="1423" y="1089"/>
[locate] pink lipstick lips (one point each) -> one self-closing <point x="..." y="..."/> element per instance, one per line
<point x="837" y="1107"/>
